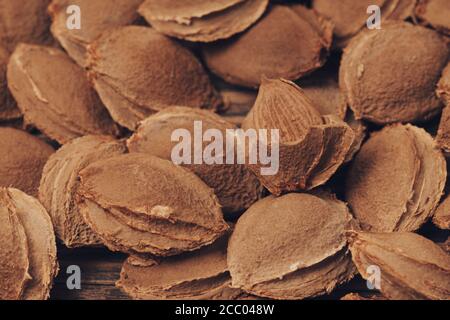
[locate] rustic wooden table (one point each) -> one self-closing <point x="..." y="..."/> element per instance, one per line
<point x="100" y="270"/>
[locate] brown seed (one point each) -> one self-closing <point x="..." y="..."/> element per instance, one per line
<point x="441" y="217"/>
<point x="237" y="101"/>
<point x="22" y="159"/>
<point x="443" y="135"/>
<point x="24" y="21"/>
<point x="390" y="75"/>
<point x="360" y="130"/>
<point x="435" y="13"/>
<point x="138" y="203"/>
<point x="324" y="92"/>
<point x="445" y="245"/>
<point x="184" y="11"/>
<point x="202" y="21"/>
<point x="357" y="296"/>
<point x="311" y="148"/>
<point x="411" y="266"/>
<point x="350" y="16"/>
<point x="98" y="16"/>
<point x="161" y="73"/>
<point x="59" y="185"/>
<point x="291" y="247"/>
<point x="8" y="108"/>
<point x="443" y="91"/>
<point x="235" y="186"/>
<point x="396" y="180"/>
<point x="287" y="98"/>
<point x="399" y="9"/>
<point x="202" y="274"/>
<point x="14" y="255"/>
<point x="40" y="245"/>
<point x="54" y="95"/>
<point x="288" y="42"/>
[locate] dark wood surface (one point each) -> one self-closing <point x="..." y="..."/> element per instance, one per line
<point x="100" y="269"/>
